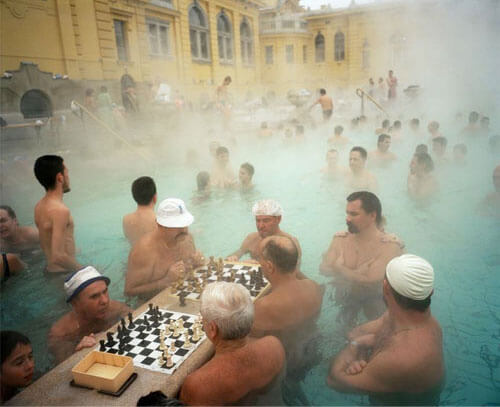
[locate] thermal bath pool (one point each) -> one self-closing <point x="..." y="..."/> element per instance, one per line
<point x="462" y="246"/>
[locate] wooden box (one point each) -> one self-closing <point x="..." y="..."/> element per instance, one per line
<point x="103" y="371"/>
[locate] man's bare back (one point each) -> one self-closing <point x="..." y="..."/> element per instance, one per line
<point x="139" y="223"/>
<point x="326" y="102"/>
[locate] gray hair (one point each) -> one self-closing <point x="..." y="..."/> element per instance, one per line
<point x="230" y="306"/>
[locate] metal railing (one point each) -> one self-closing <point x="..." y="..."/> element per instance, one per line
<point x="362" y="94"/>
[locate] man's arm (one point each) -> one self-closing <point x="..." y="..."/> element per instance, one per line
<point x="329" y="258"/>
<point x="265" y="318"/>
<point x="371" y="327"/>
<point x="59" y="256"/>
<point x="60" y="344"/>
<point x="244" y="249"/>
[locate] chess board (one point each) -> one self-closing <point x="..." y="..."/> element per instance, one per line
<point x="247" y="274"/>
<point x="142" y="342"/>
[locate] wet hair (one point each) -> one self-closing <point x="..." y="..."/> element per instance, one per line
<point x="369" y="202"/>
<point x="89" y="92"/>
<point x="221" y="150"/>
<point x="361" y="151"/>
<point x="460" y="147"/>
<point x="421" y="148"/>
<point x="248" y="168"/>
<point x="338" y="129"/>
<point x="409" y="303"/>
<point x="397" y="124"/>
<point x="434" y="125"/>
<point x="415" y="122"/>
<point x="322" y="91"/>
<point x="355" y="121"/>
<point x="284" y="255"/>
<point x="426" y="160"/>
<point x="386" y="123"/>
<point x="46" y="169"/>
<point x="228" y="79"/>
<point x="9" y="341"/>
<point x="382" y="137"/>
<point x="441" y="140"/>
<point x="202" y="180"/>
<point x="143" y="190"/>
<point x="9" y="211"/>
<point x="473" y="117"/>
<point x="157" y="398"/>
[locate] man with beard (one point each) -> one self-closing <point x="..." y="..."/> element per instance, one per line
<point x="267" y="214"/>
<point x="356" y="259"/>
<point x="382" y="157"/>
<point x="53" y="218"/>
<point x="161" y="256"/>
<point x="92" y="312"/>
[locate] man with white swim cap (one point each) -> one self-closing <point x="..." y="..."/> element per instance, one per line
<point x="92" y="312"/>
<point x="160" y="257"/>
<point x="268" y="215"/>
<point x="398" y="358"/>
<point x="356" y="259"/>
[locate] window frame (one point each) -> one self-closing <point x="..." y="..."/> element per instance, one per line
<point x="159" y="23"/>
<point x="339" y="46"/>
<point x="125" y="55"/>
<point x="269" y="55"/>
<point x="201" y="32"/>
<point x="246" y="43"/>
<point x="289" y="54"/>
<point x="225" y="42"/>
<point x="319" y="57"/>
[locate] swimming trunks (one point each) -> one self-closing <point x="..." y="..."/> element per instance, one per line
<point x="6" y="269"/>
<point x="327" y="113"/>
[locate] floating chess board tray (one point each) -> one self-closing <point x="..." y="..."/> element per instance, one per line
<point x="142" y="341"/>
<point x="247" y="274"/>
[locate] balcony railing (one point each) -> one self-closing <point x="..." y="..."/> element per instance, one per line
<point x="288" y="24"/>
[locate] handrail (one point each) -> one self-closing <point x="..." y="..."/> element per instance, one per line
<point x="361" y="93"/>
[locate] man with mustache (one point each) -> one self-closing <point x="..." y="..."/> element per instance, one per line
<point x="159" y="258"/>
<point x="53" y="218"/>
<point x="356" y="259"/>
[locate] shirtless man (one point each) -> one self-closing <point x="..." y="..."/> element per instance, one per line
<point x="359" y="178"/>
<point x="93" y="312"/>
<point x="15" y="238"/>
<point x="333" y="170"/>
<point x="398" y="358"/>
<point x="222" y="175"/>
<point x="382" y="157"/>
<point x="356" y="259"/>
<point x="143" y="220"/>
<point x="326" y="104"/>
<point x="267" y="214"/>
<point x="421" y="182"/>
<point x="490" y="206"/>
<point x="53" y="219"/>
<point x="243" y="370"/>
<point x="338" y="140"/>
<point x="160" y="257"/>
<point x="245" y="176"/>
<point x="392" y="83"/>
<point x="439" y="145"/>
<point x="433" y="129"/>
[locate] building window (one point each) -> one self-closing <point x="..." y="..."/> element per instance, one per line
<point x="269" y="54"/>
<point x="198" y="34"/>
<point x="158" y="38"/>
<point x="319" y="45"/>
<point x="304" y="53"/>
<point x="365" y="55"/>
<point x="163" y="3"/>
<point x="224" y="39"/>
<point x="121" y="40"/>
<point x="246" y="43"/>
<point x="289" y="54"/>
<point x="339" y="46"/>
<point x="290" y="24"/>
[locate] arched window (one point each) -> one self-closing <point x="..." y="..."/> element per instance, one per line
<point x="339" y="46"/>
<point x="319" y="46"/>
<point x="198" y="34"/>
<point x="365" y="55"/>
<point x="35" y="103"/>
<point x="246" y="43"/>
<point x="224" y="38"/>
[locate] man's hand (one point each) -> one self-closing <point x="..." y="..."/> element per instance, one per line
<point x="355" y="367"/>
<point x="176" y="271"/>
<point x="86" y="342"/>
<point x="232" y="258"/>
<point x="338" y="265"/>
<point x="198" y="259"/>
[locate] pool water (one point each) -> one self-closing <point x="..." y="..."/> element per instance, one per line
<point x="461" y="245"/>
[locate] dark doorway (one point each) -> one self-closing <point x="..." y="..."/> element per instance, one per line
<point x="36" y="104"/>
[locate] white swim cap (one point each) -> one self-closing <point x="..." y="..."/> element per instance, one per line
<point x="411" y="276"/>
<point x="267" y="207"/>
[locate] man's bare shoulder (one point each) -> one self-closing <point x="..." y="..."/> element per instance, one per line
<point x="392" y="239"/>
<point x="63" y="326"/>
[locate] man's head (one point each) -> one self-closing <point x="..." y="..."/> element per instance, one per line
<point x="390" y="73"/>
<point x="8" y="222"/>
<point x="87" y="291"/>
<point x="322" y="92"/>
<point x="227" y="80"/>
<point x="144" y="190"/>
<point x="433" y="127"/>
<point x="50" y="171"/>
<point x="202" y="180"/>
<point x="246" y="173"/>
<point x="409" y="280"/>
<point x="222" y="155"/>
<point x="278" y="254"/>
<point x="421" y="148"/>
<point x="173" y="218"/>
<point x="383" y="143"/>
<point x="485" y="123"/>
<point x="363" y="210"/>
<point x="332" y="157"/>
<point x="396" y="125"/>
<point x="338" y="130"/>
<point x="357" y="158"/>
<point x="386" y="124"/>
<point x="496" y="178"/>
<point x="473" y="117"/>
<point x="227" y="311"/>
<point x="267" y="214"/>
<point x="421" y="163"/>
<point x="439" y="146"/>
<point x="414" y="124"/>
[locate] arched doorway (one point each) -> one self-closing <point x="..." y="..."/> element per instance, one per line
<point x="35" y="104"/>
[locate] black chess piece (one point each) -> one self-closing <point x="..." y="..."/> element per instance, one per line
<point x="103" y="346"/>
<point x="119" y="331"/>
<point x="158" y="313"/>
<point x="111" y="341"/>
<point x="182" y="299"/>
<point x="122" y="321"/>
<point x="150" y="308"/>
<point x="146" y="322"/>
<point x="131" y="324"/>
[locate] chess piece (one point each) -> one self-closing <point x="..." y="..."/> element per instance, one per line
<point x="111" y="341"/>
<point x="173" y="349"/>
<point x="131" y="324"/>
<point x="180" y="323"/>
<point x="182" y="299"/>
<point x="170" y="363"/>
<point x="103" y="346"/>
<point x="167" y="330"/>
<point x="211" y="263"/>
<point x="150" y="308"/>
<point x="176" y="332"/>
<point x="196" y="334"/>
<point x="187" y="340"/>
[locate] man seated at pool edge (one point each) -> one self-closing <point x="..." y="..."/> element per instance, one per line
<point x="160" y="257"/>
<point x="93" y="311"/>
<point x="243" y="370"/>
<point x="398" y="358"/>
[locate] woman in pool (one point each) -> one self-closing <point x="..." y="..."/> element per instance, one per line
<point x="17" y="365"/>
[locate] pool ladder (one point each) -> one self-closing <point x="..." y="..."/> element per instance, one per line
<point x="362" y="94"/>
